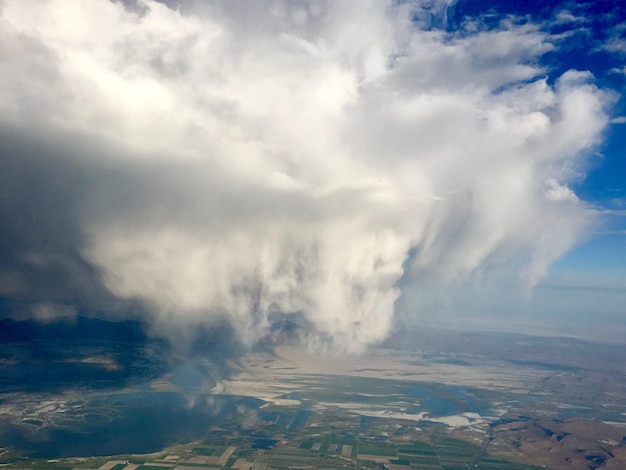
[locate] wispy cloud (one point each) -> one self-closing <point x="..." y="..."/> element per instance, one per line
<point x="567" y="17"/>
<point x="618" y="70"/>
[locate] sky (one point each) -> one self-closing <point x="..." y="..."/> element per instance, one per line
<point x="322" y="171"/>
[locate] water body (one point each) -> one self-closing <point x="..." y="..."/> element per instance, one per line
<point x="471" y="402"/>
<point x="128" y="423"/>
<point x="433" y="401"/>
<point x="264" y="443"/>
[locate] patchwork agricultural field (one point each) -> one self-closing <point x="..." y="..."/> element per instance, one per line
<point x="329" y="452"/>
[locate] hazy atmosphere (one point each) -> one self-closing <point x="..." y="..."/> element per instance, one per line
<point x="317" y="171"/>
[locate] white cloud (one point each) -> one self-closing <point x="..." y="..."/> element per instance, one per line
<point x="616" y="45"/>
<point x="621" y="70"/>
<point x="289" y="159"/>
<point x="566" y="16"/>
<point x="616" y="41"/>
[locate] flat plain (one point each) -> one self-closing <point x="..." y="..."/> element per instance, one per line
<point x="431" y="399"/>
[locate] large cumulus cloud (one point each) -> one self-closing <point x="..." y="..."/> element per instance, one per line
<point x="248" y="161"/>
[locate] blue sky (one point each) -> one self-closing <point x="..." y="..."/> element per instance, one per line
<point x="599" y="48"/>
<point x="351" y="166"/>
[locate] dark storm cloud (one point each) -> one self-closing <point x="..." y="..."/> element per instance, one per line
<point x="41" y="190"/>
